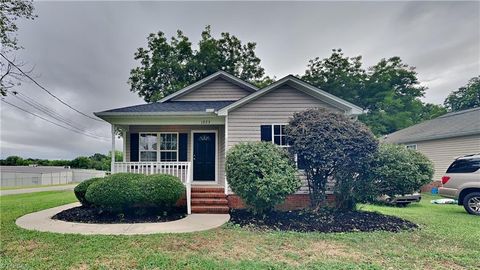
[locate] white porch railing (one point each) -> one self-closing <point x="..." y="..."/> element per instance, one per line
<point x="182" y="170"/>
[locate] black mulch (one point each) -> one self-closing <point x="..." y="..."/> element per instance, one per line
<point x="303" y="221"/>
<point x="95" y="215"/>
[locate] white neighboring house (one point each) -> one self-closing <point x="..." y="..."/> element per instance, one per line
<point x="189" y="132"/>
<point x="443" y="139"/>
<point x="11" y="176"/>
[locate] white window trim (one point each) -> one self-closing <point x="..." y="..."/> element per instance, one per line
<point x="158" y="151"/>
<point x="273" y="134"/>
<point x="411" y="146"/>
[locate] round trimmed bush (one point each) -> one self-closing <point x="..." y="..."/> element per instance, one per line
<point x="116" y="192"/>
<point x="262" y="174"/>
<point x="81" y="189"/>
<point x="161" y="190"/>
<point x="398" y="171"/>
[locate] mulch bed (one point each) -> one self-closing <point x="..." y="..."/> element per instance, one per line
<point x="327" y="222"/>
<point x="94" y="215"/>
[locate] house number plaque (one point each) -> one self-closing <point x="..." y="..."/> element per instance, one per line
<point x="205" y="122"/>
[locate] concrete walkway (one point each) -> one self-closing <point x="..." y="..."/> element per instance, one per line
<point x="36" y="189"/>
<point x="41" y="221"/>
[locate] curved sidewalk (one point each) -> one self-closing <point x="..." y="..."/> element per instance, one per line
<point x="41" y="221"/>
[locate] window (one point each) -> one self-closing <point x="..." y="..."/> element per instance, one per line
<point x="464" y="166"/>
<point x="158" y="147"/>
<point x="411" y="146"/>
<point x="148" y="147"/>
<point x="278" y="135"/>
<point x="168" y="147"/>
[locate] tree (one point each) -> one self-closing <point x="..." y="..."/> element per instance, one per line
<point x="10" y="12"/>
<point x="331" y="146"/>
<point x="166" y="67"/>
<point x="341" y="76"/>
<point x="389" y="91"/>
<point x="466" y="97"/>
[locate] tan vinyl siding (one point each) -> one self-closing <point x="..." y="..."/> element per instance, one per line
<point x="442" y="152"/>
<point x="187" y="129"/>
<point x="275" y="107"/>
<point x="218" y="89"/>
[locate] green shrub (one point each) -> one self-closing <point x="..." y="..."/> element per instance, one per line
<point x="332" y="146"/>
<point x="161" y="190"/>
<point x="127" y="191"/>
<point x="262" y="174"/>
<point x="81" y="189"/>
<point x="116" y="192"/>
<point x="396" y="170"/>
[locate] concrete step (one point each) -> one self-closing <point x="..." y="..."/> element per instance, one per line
<point x="210" y="209"/>
<point x="208" y="195"/>
<point x="209" y="201"/>
<point x="204" y="189"/>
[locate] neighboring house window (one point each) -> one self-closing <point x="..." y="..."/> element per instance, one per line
<point x="148" y="147"/>
<point x="411" y="146"/>
<point x="158" y="147"/>
<point x="168" y="147"/>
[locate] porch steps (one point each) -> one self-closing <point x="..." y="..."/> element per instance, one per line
<point x="211" y="200"/>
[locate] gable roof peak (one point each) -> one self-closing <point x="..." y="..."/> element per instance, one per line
<point x="212" y="77"/>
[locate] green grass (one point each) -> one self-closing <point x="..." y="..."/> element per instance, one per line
<point x="448" y="239"/>
<point x="35" y="186"/>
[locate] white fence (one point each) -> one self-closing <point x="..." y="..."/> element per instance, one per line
<point x="11" y="176"/>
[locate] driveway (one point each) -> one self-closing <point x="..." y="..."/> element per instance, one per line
<point x="37" y="189"/>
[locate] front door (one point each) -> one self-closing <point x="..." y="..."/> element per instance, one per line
<point x="204" y="156"/>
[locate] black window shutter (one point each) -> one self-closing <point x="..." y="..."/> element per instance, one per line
<point x="300" y="162"/>
<point x="134" y="140"/>
<point x="182" y="146"/>
<point x="266" y="133"/>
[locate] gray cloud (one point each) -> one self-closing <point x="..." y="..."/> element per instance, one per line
<point x="83" y="51"/>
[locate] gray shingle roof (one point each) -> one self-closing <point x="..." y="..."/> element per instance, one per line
<point x="171" y="106"/>
<point x="454" y="124"/>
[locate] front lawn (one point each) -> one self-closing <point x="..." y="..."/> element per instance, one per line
<point x="448" y="239"/>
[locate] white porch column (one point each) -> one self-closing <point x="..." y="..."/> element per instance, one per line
<point x="225" y="150"/>
<point x="124" y="146"/>
<point x="112" y="167"/>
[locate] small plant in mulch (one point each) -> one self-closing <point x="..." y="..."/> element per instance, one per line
<point x="322" y="221"/>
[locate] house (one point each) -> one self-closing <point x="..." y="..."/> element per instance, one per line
<point x="189" y="132"/>
<point x="443" y="139"/>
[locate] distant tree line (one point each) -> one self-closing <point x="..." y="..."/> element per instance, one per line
<point x="96" y="161"/>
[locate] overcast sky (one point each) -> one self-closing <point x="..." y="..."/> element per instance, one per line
<point x="83" y="52"/>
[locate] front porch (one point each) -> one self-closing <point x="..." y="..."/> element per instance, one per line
<point x="193" y="153"/>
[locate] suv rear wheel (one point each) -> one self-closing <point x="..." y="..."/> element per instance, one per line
<point x="471" y="202"/>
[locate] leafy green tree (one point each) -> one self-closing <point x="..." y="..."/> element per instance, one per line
<point x="10" y="12"/>
<point x="339" y="75"/>
<point x="389" y="91"/>
<point x="167" y="66"/>
<point x="466" y="97"/>
<point x="14" y="161"/>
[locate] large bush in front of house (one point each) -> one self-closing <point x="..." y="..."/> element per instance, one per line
<point x="262" y="174"/>
<point x="127" y="191"/>
<point x="81" y="189"/>
<point x="332" y="146"/>
<point x="396" y="170"/>
<point x="161" y="190"/>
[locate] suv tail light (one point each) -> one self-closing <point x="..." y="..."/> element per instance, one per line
<point x="445" y="179"/>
